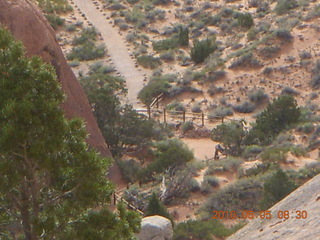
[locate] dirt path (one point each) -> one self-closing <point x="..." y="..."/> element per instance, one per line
<point x="117" y="48"/>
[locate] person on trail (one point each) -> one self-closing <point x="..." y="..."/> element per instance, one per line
<point x="218" y="149"/>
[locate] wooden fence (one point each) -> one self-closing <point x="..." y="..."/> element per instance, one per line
<point x="116" y="198"/>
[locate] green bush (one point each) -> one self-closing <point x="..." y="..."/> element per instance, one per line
<point x="54" y="20"/>
<point x="155" y="207"/>
<point x="231" y="135"/>
<point x="223" y="165"/>
<point x="170" y="153"/>
<point x="148" y="61"/>
<point x="204" y="230"/>
<point x="280" y="114"/>
<point x="88" y="34"/>
<point x="245" y="20"/>
<point x="71" y="28"/>
<point x="87" y="51"/>
<point x="284" y="35"/>
<point x="276" y="188"/>
<point x="251" y="151"/>
<point x="212" y="181"/>
<point x="167" y="56"/>
<point x="187" y="126"/>
<point x="275" y="154"/>
<point x="196" y="108"/>
<point x="202" y="49"/>
<point x="176" y="106"/>
<point x="246" y="60"/>
<point x="165" y="44"/>
<point x="129" y="169"/>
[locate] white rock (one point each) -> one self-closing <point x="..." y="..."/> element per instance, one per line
<point x="155" y="228"/>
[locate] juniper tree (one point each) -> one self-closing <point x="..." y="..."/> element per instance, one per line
<point x="50" y="178"/>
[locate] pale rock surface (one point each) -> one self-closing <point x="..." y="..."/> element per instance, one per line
<point x="155" y="228"/>
<point x="306" y="198"/>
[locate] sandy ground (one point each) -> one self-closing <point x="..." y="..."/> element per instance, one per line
<point x="117" y="49"/>
<point x="203" y="148"/>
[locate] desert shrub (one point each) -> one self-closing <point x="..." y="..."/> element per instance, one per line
<point x="148" y="61"/>
<point x="98" y="67"/>
<point x="231" y="135"/>
<point x="276" y="188"/>
<point x="289" y="91"/>
<point x="183" y="37"/>
<point x="129" y="169"/>
<point x="245" y="107"/>
<point x="280" y="114"/>
<point x="269" y="51"/>
<point x="155" y="207"/>
<point x="283" y="34"/>
<point x="186" y="126"/>
<point x="212" y="181"/>
<point x="283" y="6"/>
<point x="165" y="44"/>
<point x="88" y="34"/>
<point x="314" y="13"/>
<point x="87" y="51"/>
<point x="170" y="153"/>
<point x="220" y="112"/>
<point x="131" y="37"/>
<point x="306" y="128"/>
<point x="315" y="82"/>
<point x="54" y="20"/>
<point x="194" y="185"/>
<point x="267" y="71"/>
<point x="212" y="90"/>
<point x="241" y="195"/>
<point x="202" y="49"/>
<point x="167" y="56"/>
<point x="245" y="20"/>
<point x="227" y="164"/>
<point x="71" y="28"/>
<point x="74" y="63"/>
<point x="132" y="1"/>
<point x="204" y="230"/>
<point x="216" y="75"/>
<point x="275" y="154"/>
<point x="176" y="106"/>
<point x="155" y="86"/>
<point x="252" y="151"/>
<point x="258" y="96"/>
<point x="246" y="60"/>
<point x="196" y="108"/>
<point x="305" y="55"/>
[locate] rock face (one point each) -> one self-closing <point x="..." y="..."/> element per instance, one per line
<point x="306" y="198"/>
<point x="155" y="228"/>
<point x="27" y="23"/>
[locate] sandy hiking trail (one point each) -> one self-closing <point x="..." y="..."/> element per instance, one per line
<point x="117" y="49"/>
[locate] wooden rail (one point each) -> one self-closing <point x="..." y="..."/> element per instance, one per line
<point x="117" y="199"/>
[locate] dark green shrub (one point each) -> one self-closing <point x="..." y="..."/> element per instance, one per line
<point x="148" y="61"/>
<point x="71" y="28"/>
<point x="289" y="91"/>
<point x="153" y="89"/>
<point x="275" y="154"/>
<point x="167" y="56"/>
<point x="129" y="169"/>
<point x="245" y="20"/>
<point x="231" y="135"/>
<point x="176" y="106"/>
<point x="278" y="115"/>
<point x="196" y="108"/>
<point x="155" y="207"/>
<point x="183" y="39"/>
<point x="251" y="151"/>
<point x="212" y="181"/>
<point x="202" y="49"/>
<point x="306" y="128"/>
<point x="284" y="35"/>
<point x="276" y="188"/>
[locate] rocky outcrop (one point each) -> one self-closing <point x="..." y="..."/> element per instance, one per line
<point x="27" y="24"/>
<point x="155" y="228"/>
<point x="293" y="226"/>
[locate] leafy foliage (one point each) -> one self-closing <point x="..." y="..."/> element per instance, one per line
<point x="231" y="135"/>
<point x="276" y="188"/>
<point x="46" y="165"/>
<point x="278" y="115"/>
<point x="202" y="49"/>
<point x="155" y="207"/>
<point x="245" y="20"/>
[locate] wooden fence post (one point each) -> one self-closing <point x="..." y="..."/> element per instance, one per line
<point x="114" y="198"/>
<point x="202" y="118"/>
<point x="184" y="116"/>
<point x="164" y="116"/>
<point x="149" y="113"/>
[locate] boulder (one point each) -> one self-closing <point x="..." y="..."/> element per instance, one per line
<point x="155" y="228"/>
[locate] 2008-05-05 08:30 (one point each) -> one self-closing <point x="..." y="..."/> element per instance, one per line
<point x="246" y="214"/>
